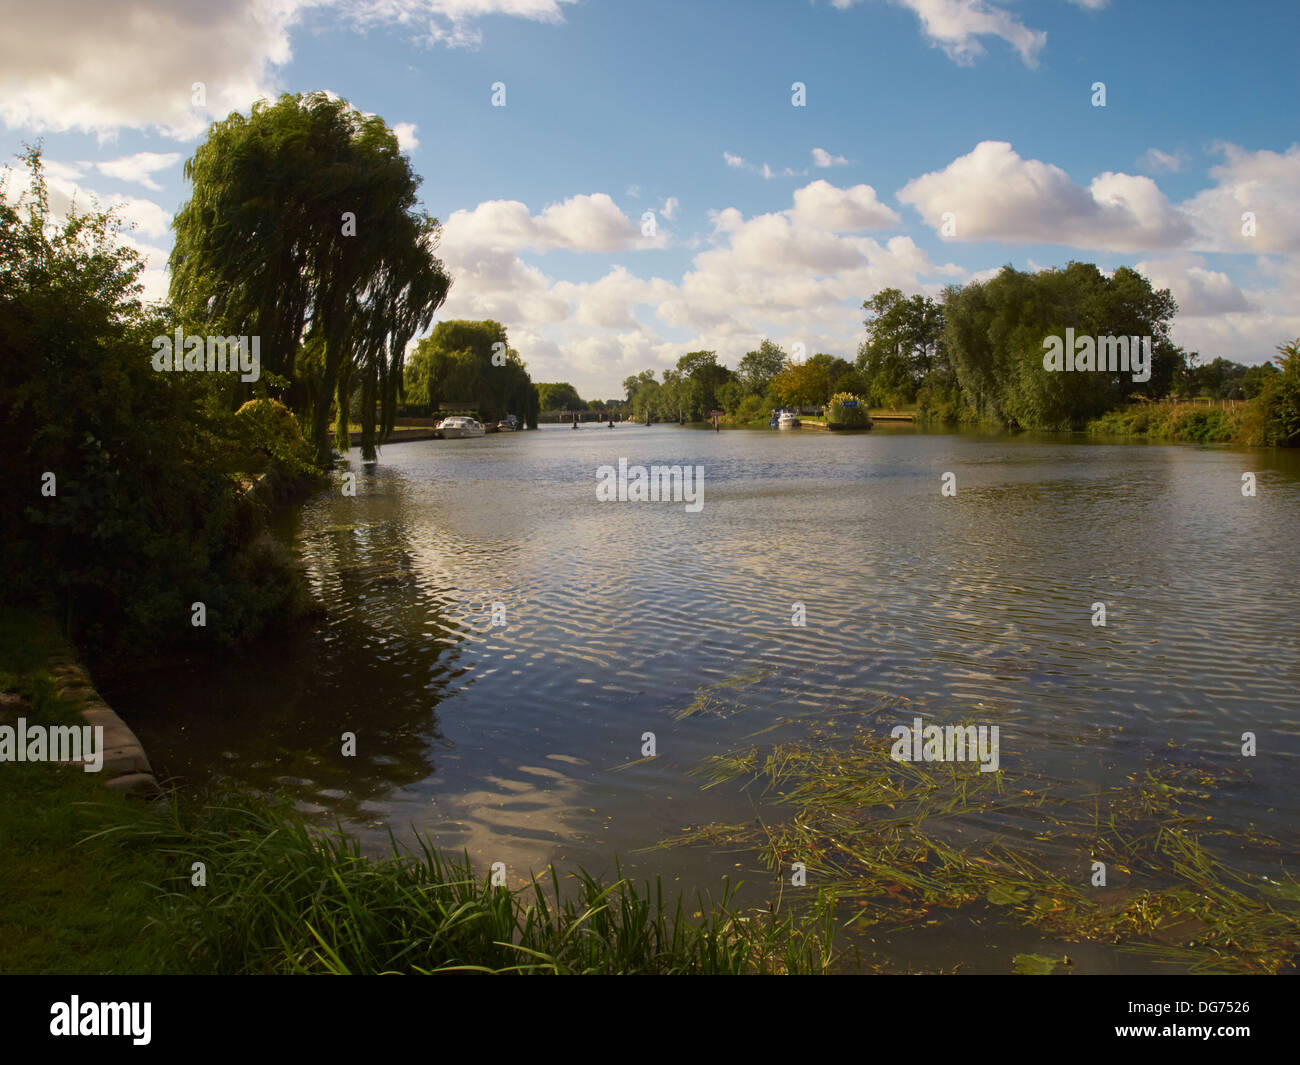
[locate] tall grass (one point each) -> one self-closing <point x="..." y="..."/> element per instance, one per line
<point x="1173" y="421"/>
<point x="281" y="898"/>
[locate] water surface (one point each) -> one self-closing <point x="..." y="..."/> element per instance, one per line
<point x="513" y="741"/>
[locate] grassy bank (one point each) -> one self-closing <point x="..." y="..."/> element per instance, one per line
<point x="1192" y="422"/>
<point x="66" y="906"/>
<point x="94" y="883"/>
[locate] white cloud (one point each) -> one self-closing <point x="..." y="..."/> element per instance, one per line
<point x="1264" y="183"/>
<point x="580" y="223"/>
<point x="98" y="67"/>
<point x="406" y="138"/>
<point x="670" y="207"/>
<point x="448" y="22"/>
<point x="90" y="66"/>
<point x="823" y="158"/>
<point x="996" y="195"/>
<point x="797" y="274"/>
<point x="766" y="170"/>
<point x="1200" y="292"/>
<point x="825" y="206"/>
<point x="137" y="167"/>
<point x="956" y="26"/>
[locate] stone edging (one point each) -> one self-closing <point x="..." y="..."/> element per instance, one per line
<point x="126" y="767"/>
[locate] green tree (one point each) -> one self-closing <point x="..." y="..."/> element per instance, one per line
<point x="470" y="364"/>
<point x="560" y="396"/>
<point x="702" y="376"/>
<point x="994" y="334"/>
<point x="302" y="229"/>
<point x="904" y="343"/>
<point x="1274" y="419"/>
<point x="145" y="514"/>
<point x="758" y="368"/>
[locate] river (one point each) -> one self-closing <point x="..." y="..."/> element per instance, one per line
<point x="522" y="742"/>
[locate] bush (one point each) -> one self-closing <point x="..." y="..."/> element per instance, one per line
<point x="269" y="432"/>
<point x="1274" y="419"/>
<point x="144" y="515"/>
<point x="854" y="417"/>
<point x="752" y="409"/>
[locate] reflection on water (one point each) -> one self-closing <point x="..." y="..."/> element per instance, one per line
<point x="508" y="740"/>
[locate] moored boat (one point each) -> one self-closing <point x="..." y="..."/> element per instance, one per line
<point x="457" y="428"/>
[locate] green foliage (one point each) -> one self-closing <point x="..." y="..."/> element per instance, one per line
<point x="994" y="333"/>
<point x="758" y="368"/>
<point x="264" y="431"/>
<point x="1191" y="422"/>
<point x="904" y="343"/>
<point x="813" y="382"/>
<point x="1274" y="419"/>
<point x="302" y="229"/>
<point x="146" y="517"/>
<point x="471" y="364"/>
<point x="560" y="396"/>
<point x="283" y="898"/>
<point x="755" y="409"/>
<point x="856" y="416"/>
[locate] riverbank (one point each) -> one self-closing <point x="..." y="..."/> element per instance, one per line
<point x="72" y="899"/>
<point x="96" y="884"/>
<point x="1177" y="422"/>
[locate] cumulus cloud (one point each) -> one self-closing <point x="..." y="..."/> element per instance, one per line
<point x="670" y="207"/>
<point x="797" y="274"/>
<point x="1199" y="291"/>
<point x="994" y="194"/>
<point x="580" y="223"/>
<point x="824" y="206"/>
<point x="65" y="70"/>
<point x="405" y="133"/>
<point x="1261" y="183"/>
<point x="956" y="26"/>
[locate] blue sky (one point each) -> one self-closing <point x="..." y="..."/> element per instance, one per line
<point x="769" y="219"/>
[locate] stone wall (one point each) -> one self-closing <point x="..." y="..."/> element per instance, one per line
<point x="126" y="767"/>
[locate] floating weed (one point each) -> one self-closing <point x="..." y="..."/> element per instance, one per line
<point x="898" y="841"/>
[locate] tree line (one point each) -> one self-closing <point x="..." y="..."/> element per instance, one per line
<point x="126" y="490"/>
<point x="975" y="354"/>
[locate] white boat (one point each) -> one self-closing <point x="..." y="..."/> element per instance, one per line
<point x="508" y="424"/>
<point x="459" y="427"/>
<point x="787" y="420"/>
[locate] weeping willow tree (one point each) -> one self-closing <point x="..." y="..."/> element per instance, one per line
<point x="302" y="229"/>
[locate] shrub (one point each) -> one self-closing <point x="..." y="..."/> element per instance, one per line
<point x="1274" y="419"/>
<point x="848" y="410"/>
